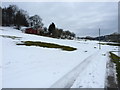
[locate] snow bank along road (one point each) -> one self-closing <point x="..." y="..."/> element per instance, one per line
<point x="37" y="67"/>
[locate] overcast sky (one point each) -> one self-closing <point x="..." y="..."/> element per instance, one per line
<point x="83" y="18"/>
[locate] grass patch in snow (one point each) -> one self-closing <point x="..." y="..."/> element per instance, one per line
<point x="112" y="44"/>
<point x="12" y="37"/>
<point x="116" y="60"/>
<point x="47" y="45"/>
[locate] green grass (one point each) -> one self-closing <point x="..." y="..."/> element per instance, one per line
<point x="116" y="60"/>
<point x="47" y="45"/>
<point x="12" y="37"/>
<point x="112" y="44"/>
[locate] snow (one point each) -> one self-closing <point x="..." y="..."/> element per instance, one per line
<point x="94" y="75"/>
<point x="116" y="53"/>
<point x="0" y="64"/>
<point x="70" y="77"/>
<point x="37" y="67"/>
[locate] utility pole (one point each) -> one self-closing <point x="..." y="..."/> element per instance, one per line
<point x="99" y="40"/>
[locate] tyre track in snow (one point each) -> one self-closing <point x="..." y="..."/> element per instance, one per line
<point x="68" y="79"/>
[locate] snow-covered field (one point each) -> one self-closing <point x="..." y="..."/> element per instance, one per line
<point x="37" y="67"/>
<point x="0" y="63"/>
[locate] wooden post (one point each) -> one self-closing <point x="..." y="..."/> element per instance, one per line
<point x="99" y="39"/>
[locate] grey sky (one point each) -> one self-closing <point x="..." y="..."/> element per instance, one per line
<point x="83" y="18"/>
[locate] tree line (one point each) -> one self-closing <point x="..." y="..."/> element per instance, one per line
<point x="60" y="33"/>
<point x="13" y="16"/>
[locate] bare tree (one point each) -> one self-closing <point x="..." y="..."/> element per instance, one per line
<point x="36" y="21"/>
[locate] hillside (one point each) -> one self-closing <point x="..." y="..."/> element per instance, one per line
<point x="38" y="67"/>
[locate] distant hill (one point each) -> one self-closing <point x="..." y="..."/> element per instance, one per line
<point x="115" y="37"/>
